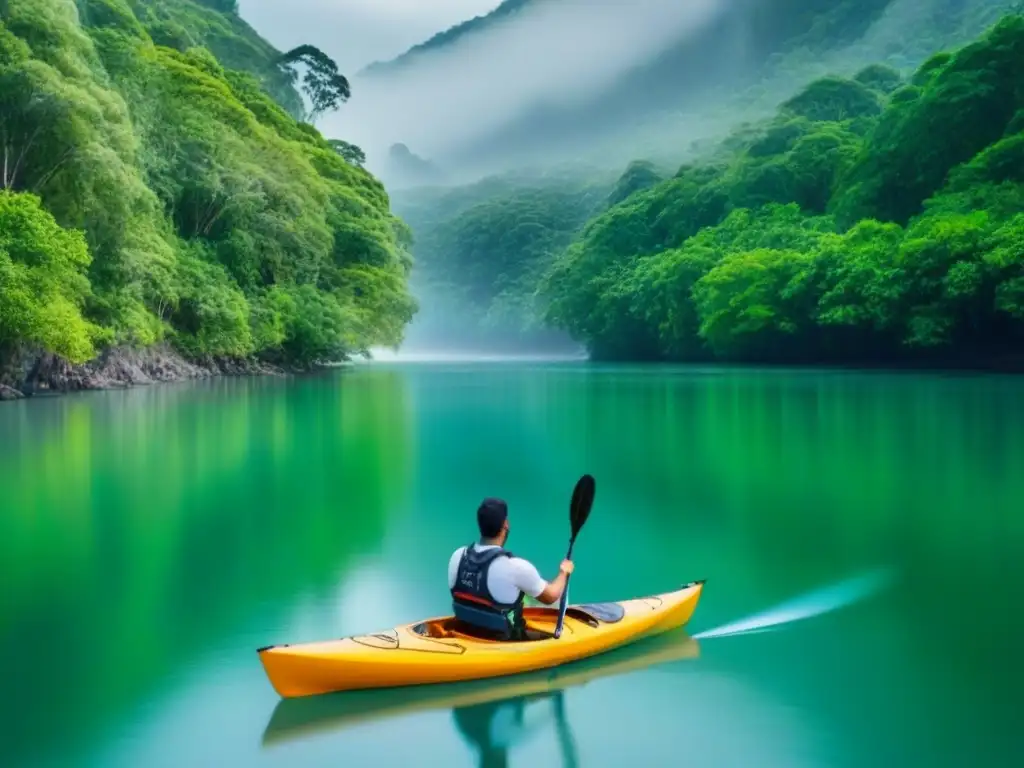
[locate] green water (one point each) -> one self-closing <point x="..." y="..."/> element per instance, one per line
<point x="151" y="540"/>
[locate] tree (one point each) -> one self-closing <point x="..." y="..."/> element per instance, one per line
<point x="350" y="153"/>
<point x="880" y="78"/>
<point x="42" y="280"/>
<point x="639" y="175"/>
<point x="36" y="139"/>
<point x="326" y="88"/>
<point x="834" y="99"/>
<point x="224" y="6"/>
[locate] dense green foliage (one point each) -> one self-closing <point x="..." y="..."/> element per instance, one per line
<point x="872" y="218"/>
<point x="865" y="221"/>
<point x="216" y="26"/>
<point x="42" y="279"/>
<point x="179" y="201"/>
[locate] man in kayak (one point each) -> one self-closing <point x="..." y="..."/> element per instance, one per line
<point x="488" y="583"/>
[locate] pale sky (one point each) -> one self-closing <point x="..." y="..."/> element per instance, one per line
<point x="357" y="32"/>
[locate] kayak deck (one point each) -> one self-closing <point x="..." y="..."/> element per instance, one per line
<point x="441" y="650"/>
<point x="540" y="623"/>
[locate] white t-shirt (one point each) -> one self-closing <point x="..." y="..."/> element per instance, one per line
<point x="506" y="577"/>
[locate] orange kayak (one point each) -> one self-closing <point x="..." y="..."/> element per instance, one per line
<point x="439" y="651"/>
<point x="294" y="719"/>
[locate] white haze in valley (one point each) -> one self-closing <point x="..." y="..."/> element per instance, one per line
<point x="551" y="52"/>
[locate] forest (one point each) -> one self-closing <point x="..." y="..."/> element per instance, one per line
<point x="162" y="182"/>
<point x="876" y="218"/>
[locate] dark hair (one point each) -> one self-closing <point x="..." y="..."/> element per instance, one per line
<point x="490" y="516"/>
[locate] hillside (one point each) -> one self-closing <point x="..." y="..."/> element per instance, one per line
<point x="448" y="37"/>
<point x="216" y="25"/>
<point x="773" y="44"/>
<point x="875" y="218"/>
<point x="154" y="198"/>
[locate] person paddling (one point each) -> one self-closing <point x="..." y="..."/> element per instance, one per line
<point x="488" y="583"/>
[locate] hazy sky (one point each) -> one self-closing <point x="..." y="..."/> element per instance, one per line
<point x="553" y="52"/>
<point x="357" y="32"/>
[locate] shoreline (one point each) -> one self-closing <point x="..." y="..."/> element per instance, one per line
<point x="26" y="374"/>
<point x="29" y="374"/>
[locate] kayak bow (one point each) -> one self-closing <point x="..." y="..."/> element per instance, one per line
<point x="440" y="651"/>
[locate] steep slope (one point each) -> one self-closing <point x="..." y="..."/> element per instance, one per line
<point x="151" y="195"/>
<point x="216" y="25"/>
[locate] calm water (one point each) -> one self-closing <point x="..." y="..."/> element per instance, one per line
<point x="151" y="540"/>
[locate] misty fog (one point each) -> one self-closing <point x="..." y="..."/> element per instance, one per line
<point x="444" y="325"/>
<point x="357" y="32"/>
<point x="550" y="52"/>
<point x="569" y="52"/>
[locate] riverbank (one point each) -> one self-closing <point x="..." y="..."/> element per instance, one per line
<point x="25" y="373"/>
<point x="127" y="252"/>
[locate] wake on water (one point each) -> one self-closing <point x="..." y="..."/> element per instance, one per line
<point x="816" y="603"/>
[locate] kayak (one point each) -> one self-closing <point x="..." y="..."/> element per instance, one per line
<point x="440" y="650"/>
<point x="298" y="718"/>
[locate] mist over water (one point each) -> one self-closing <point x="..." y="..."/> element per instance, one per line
<point x="442" y="355"/>
<point x="448" y="327"/>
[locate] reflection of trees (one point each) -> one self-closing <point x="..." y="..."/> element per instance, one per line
<point x="862" y="463"/>
<point x="141" y="527"/>
<point x="799" y="479"/>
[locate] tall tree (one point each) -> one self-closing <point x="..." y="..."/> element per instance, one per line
<point x="349" y="152"/>
<point x="35" y="136"/>
<point x="325" y="86"/>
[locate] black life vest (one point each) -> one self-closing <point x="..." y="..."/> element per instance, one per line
<point x="473" y="602"/>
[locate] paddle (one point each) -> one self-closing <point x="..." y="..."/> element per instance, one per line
<point x="579" y="511"/>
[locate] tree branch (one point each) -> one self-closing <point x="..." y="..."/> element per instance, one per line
<point x="68" y="154"/>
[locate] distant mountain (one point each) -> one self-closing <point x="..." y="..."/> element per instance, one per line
<point x="446" y="38"/>
<point x="768" y="23"/>
<point x="733" y="51"/>
<point x="406" y="168"/>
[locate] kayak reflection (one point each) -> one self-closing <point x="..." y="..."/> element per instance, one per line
<point x="475" y="702"/>
<point x="495" y="728"/>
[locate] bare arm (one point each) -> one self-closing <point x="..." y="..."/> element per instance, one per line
<point x="553" y="591"/>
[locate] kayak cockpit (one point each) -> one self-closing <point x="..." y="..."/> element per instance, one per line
<point x="450" y="628"/>
<point x="540" y="623"/>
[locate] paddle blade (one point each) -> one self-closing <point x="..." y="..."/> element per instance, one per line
<point x="582" y="501"/>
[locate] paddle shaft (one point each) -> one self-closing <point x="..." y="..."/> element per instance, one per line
<point x="563" y="603"/>
<point x="579" y="511"/>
